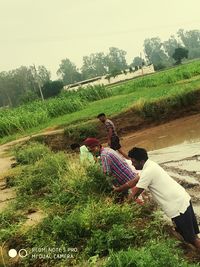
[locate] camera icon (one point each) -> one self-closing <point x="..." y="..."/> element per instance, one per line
<point x="12" y="253"/>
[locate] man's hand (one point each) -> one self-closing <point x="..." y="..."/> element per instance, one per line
<point x="115" y="188"/>
<point x="130" y="198"/>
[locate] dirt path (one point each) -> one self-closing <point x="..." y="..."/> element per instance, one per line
<point x="6" y="194"/>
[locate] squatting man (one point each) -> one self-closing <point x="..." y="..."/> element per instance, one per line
<point x="171" y="196"/>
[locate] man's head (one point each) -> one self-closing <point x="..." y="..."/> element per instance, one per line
<point x="75" y="147"/>
<point x="93" y="146"/>
<point x="138" y="157"/>
<point x="102" y="117"/>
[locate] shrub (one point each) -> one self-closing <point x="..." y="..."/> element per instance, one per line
<point x="153" y="254"/>
<point x="82" y="131"/>
<point x="43" y="176"/>
<point x="97" y="181"/>
<point x="118" y="237"/>
<point x="92" y="93"/>
<point x="9" y="224"/>
<point x="30" y="153"/>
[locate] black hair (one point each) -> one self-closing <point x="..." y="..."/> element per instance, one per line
<point x="101" y="115"/>
<point x="138" y="153"/>
<point x="74" y="146"/>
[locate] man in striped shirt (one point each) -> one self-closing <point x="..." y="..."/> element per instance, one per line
<point x="114" y="165"/>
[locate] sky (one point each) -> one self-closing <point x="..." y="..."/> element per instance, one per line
<point x="43" y="32"/>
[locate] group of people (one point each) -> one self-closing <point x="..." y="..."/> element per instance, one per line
<point x="145" y="174"/>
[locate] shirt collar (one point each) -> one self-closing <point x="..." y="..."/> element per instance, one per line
<point x="146" y="164"/>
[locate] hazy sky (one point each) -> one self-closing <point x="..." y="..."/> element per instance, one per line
<point x="44" y="32"/>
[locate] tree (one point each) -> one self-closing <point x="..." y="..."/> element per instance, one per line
<point x="68" y="72"/>
<point x="137" y="61"/>
<point x="116" y="60"/>
<point x="43" y="74"/>
<point x="52" y="88"/>
<point x="169" y="47"/>
<point x="179" y="54"/>
<point x="94" y="65"/>
<point x="191" y="41"/>
<point x="5" y="89"/>
<point x="154" y="52"/>
<point x="28" y="97"/>
<point x="21" y="84"/>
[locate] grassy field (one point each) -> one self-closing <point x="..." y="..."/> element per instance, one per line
<point x="79" y="213"/>
<point x="85" y="104"/>
<point x="82" y="218"/>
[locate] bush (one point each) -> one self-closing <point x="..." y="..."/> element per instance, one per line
<point x="161" y="108"/>
<point x="9" y="224"/>
<point x="97" y="181"/>
<point x="92" y="93"/>
<point x="154" y="254"/>
<point x="81" y="131"/>
<point x="30" y="153"/>
<point x="52" y="88"/>
<point x="42" y="177"/>
<point x="118" y="237"/>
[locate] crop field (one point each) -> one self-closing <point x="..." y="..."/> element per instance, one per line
<point x="81" y="221"/>
<point x="74" y="107"/>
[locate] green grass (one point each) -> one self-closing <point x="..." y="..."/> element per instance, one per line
<point x="81" y="212"/>
<point x="119" y="98"/>
<point x="38" y="112"/>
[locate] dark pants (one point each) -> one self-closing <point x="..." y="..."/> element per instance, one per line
<point x="115" y="145"/>
<point x="186" y="224"/>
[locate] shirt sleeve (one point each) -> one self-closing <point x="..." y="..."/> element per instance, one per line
<point x="106" y="165"/>
<point x="144" y="181"/>
<point x="108" y="125"/>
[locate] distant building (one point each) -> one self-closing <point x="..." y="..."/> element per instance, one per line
<point x="105" y="81"/>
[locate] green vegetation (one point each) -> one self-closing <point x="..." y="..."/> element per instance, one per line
<point x="29" y="154"/>
<point x="30" y="115"/>
<point x="81" y="212"/>
<point x="169" y="89"/>
<point x="154" y="254"/>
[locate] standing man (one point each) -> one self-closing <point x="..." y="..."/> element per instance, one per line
<point x="114" y="165"/>
<point x="113" y="139"/>
<point x="171" y="196"/>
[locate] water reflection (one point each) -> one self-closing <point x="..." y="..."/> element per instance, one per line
<point x="184" y="130"/>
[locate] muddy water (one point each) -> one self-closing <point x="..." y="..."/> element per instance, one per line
<point x="169" y="134"/>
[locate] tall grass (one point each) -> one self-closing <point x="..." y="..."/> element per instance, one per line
<point x="154" y="254"/>
<point x="171" y="76"/>
<point x="38" y="112"/>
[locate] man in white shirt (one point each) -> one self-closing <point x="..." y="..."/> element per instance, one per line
<point x="170" y="195"/>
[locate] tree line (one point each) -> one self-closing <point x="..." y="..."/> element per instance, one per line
<point x="25" y="84"/>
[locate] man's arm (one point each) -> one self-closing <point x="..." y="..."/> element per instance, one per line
<point x="128" y="184"/>
<point x="110" y="131"/>
<point x="106" y="165"/>
<point x="136" y="191"/>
